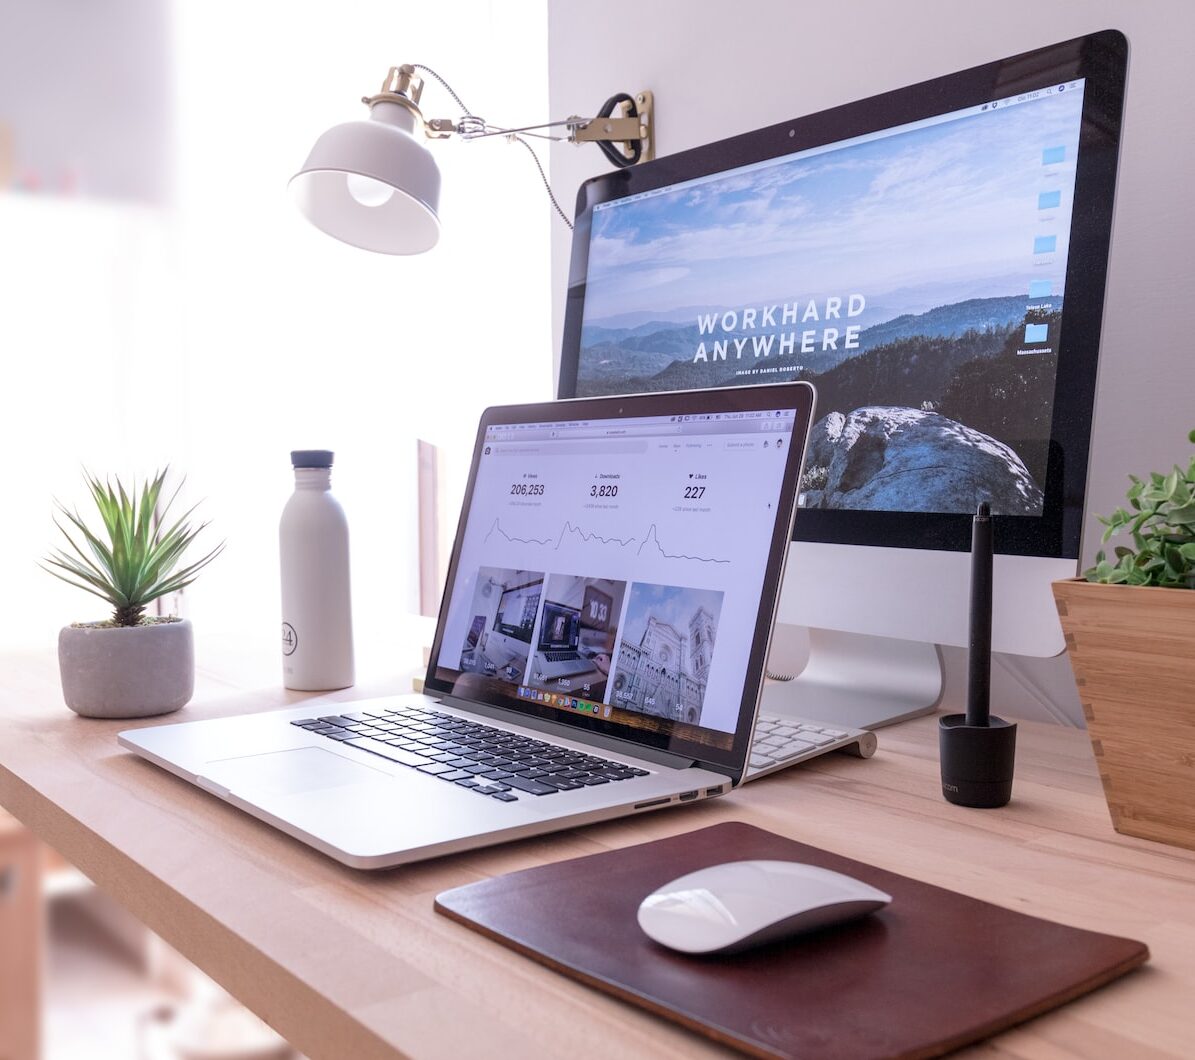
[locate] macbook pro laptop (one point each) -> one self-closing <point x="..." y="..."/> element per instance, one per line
<point x="649" y="533"/>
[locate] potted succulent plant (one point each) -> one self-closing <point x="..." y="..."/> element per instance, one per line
<point x="131" y="665"/>
<point x="1130" y="633"/>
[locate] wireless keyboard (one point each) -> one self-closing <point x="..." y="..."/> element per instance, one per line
<point x="781" y="742"/>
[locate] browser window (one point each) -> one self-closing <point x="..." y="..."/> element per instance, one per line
<point x="614" y="567"/>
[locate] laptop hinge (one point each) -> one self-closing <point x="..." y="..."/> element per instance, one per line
<point x="649" y="754"/>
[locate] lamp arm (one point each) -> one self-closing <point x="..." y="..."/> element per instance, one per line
<point x="633" y="131"/>
<point x="580" y="130"/>
<point x="626" y="130"/>
<point x="636" y="130"/>
<point x="486" y="129"/>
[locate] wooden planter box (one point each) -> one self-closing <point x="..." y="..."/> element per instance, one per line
<point x="1132" y="650"/>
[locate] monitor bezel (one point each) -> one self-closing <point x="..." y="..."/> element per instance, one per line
<point x="1099" y="58"/>
<point x="798" y="396"/>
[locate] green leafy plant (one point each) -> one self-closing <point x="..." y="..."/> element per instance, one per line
<point x="1161" y="521"/>
<point x="138" y="561"/>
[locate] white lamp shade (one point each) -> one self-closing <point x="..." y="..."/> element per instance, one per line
<point x="372" y="184"/>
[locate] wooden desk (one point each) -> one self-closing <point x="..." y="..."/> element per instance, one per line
<point x="21" y="931"/>
<point x="349" y="964"/>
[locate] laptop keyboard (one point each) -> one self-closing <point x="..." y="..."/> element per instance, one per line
<point x="489" y="761"/>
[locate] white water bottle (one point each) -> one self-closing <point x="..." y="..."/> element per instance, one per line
<point x="317" y="618"/>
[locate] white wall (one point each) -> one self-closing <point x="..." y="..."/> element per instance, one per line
<point x="85" y="97"/>
<point x="719" y="69"/>
<point x="219" y="330"/>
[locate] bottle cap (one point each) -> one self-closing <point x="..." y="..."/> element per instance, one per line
<point x="311" y="457"/>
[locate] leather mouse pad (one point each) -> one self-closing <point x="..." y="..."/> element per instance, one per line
<point x="933" y="971"/>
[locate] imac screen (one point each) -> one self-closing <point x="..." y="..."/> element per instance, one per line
<point x="915" y="275"/>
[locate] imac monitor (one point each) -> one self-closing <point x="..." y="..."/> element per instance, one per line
<point x="933" y="260"/>
<point x="516" y="611"/>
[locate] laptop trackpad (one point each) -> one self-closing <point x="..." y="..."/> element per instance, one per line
<point x="284" y="772"/>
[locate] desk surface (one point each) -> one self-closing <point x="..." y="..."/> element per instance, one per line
<point x="345" y="963"/>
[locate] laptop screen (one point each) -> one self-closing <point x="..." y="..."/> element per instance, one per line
<point x="609" y="569"/>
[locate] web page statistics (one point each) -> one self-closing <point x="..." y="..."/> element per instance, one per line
<point x="615" y="567"/>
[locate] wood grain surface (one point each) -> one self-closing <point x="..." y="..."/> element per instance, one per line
<point x="22" y="933"/>
<point x="352" y="964"/>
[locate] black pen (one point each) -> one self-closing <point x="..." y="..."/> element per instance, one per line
<point x="977" y="749"/>
<point x="979" y="661"/>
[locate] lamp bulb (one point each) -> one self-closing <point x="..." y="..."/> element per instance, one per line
<point x="367" y="191"/>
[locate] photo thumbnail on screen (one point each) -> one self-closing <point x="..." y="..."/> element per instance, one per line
<point x="505" y="604"/>
<point x="575" y="646"/>
<point x="663" y="663"/>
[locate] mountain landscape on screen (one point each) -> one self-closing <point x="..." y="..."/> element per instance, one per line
<point x="957" y="366"/>
<point x="915" y="277"/>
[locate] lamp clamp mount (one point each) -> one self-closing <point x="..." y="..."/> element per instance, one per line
<point x="625" y="128"/>
<point x="631" y="122"/>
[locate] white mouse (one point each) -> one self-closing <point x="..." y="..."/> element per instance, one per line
<point x="731" y="907"/>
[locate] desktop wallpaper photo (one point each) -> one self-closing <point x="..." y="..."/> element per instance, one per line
<point x="915" y="277"/>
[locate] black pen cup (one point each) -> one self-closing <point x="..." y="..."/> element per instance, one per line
<point x="977" y="761"/>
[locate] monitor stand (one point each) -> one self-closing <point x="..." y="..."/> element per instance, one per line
<point x="858" y="681"/>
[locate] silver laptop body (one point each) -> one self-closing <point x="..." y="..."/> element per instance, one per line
<point x="657" y="523"/>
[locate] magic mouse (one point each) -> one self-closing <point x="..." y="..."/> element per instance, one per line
<point x="741" y="904"/>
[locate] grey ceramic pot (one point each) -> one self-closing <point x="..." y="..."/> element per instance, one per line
<point x="127" y="672"/>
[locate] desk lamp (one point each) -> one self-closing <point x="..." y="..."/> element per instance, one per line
<point x="375" y="185"/>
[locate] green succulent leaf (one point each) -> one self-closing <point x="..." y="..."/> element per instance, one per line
<point x="133" y="561"/>
<point x="1160" y="521"/>
<point x="1183" y="515"/>
<point x="1171" y="484"/>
